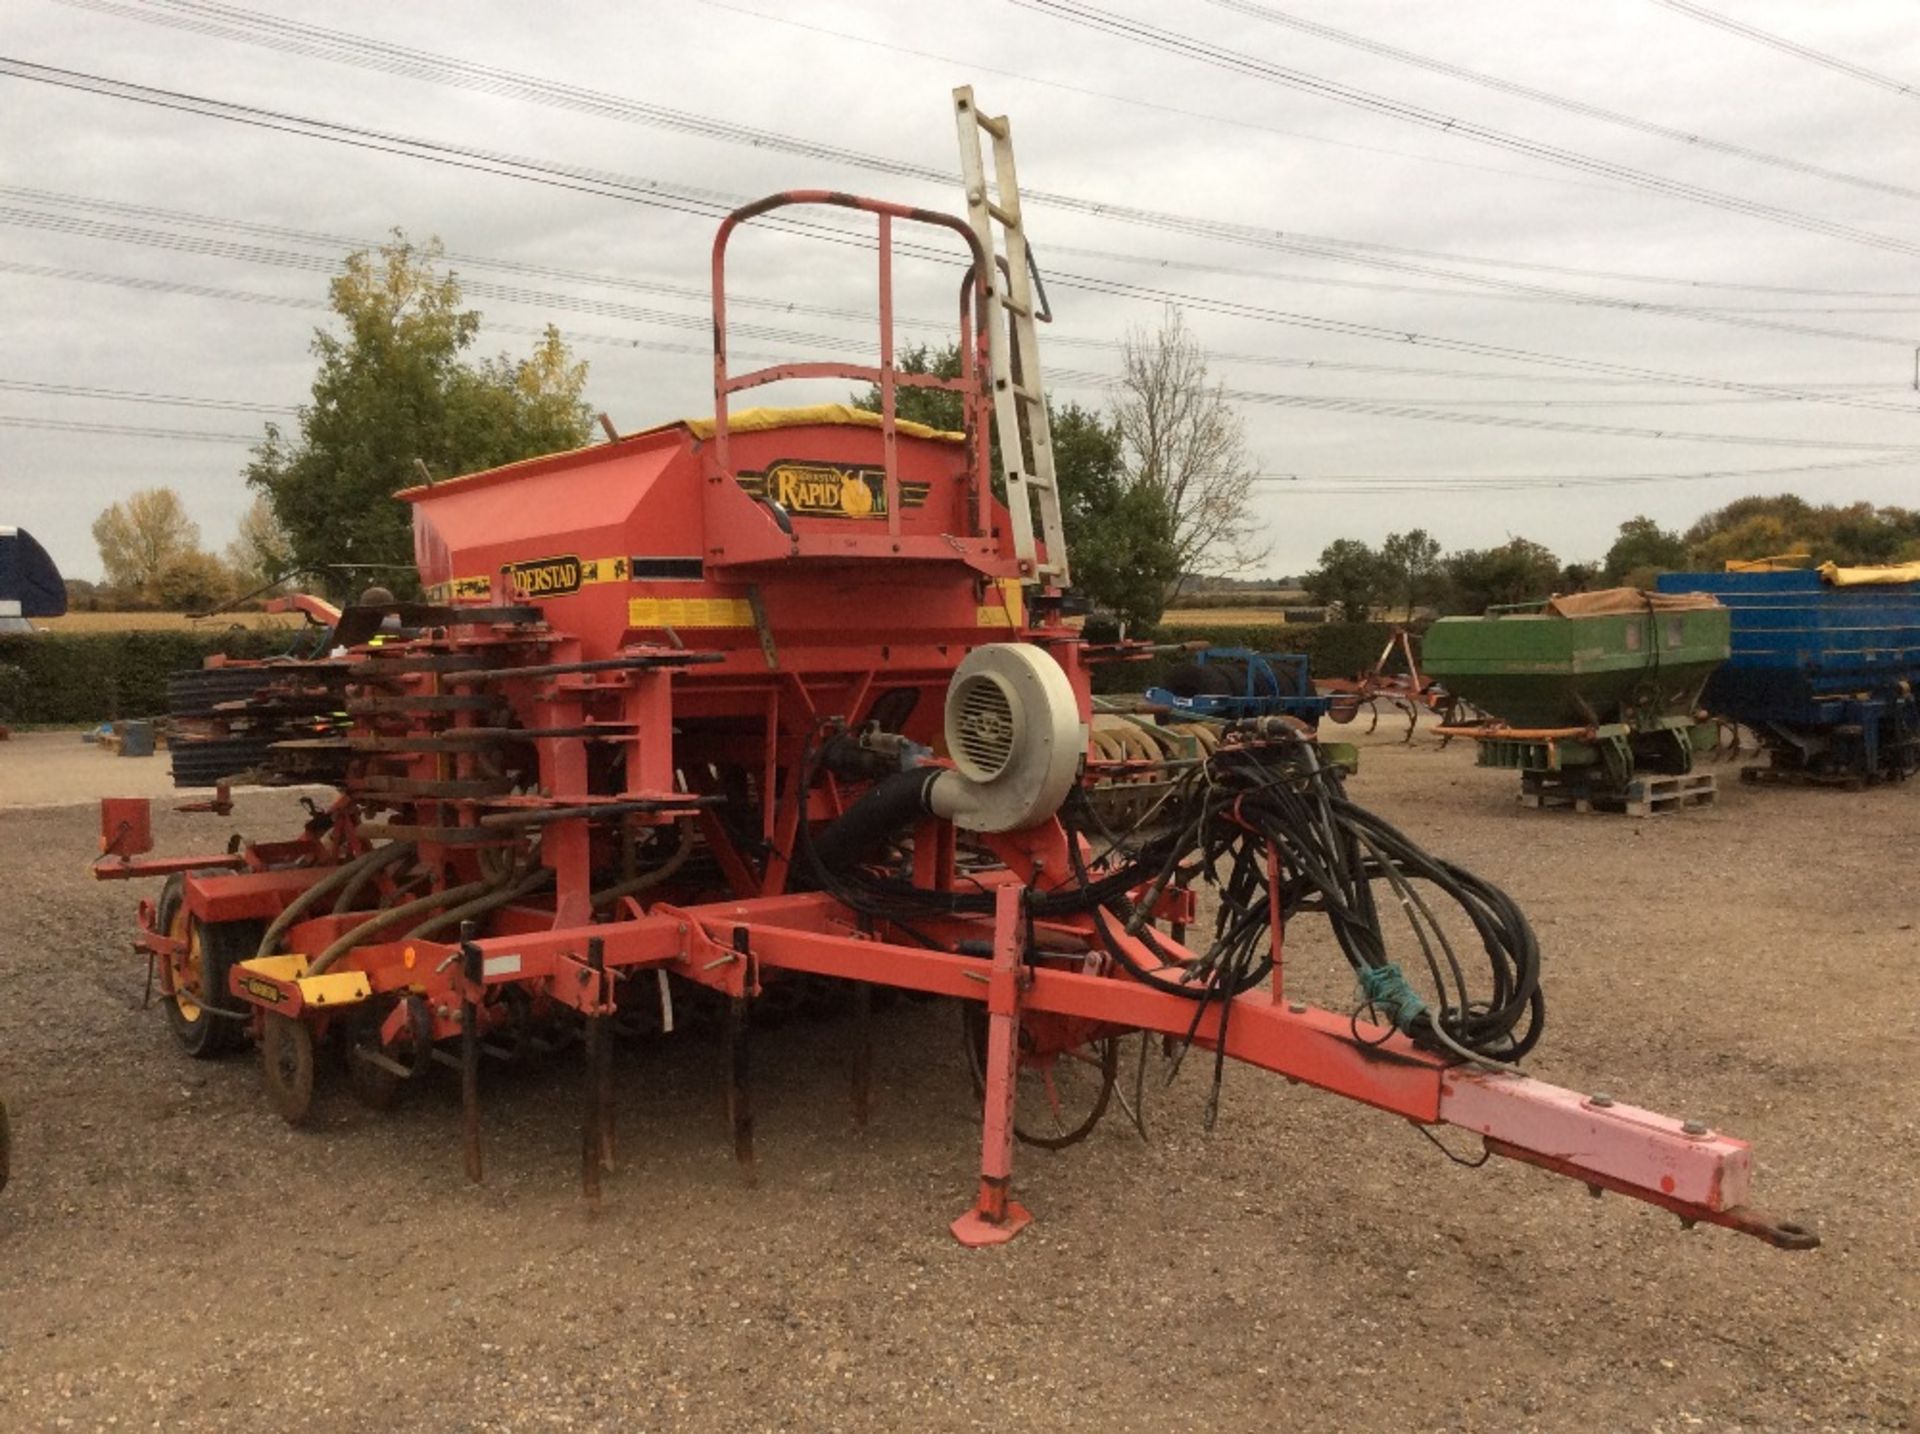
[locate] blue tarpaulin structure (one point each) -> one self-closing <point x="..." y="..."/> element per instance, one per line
<point x="30" y="585"/>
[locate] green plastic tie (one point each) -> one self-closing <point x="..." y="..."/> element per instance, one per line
<point x="1386" y="989"/>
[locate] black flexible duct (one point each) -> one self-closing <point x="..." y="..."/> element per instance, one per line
<point x="887" y="808"/>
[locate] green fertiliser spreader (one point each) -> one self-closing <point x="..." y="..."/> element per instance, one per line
<point x="1588" y="692"/>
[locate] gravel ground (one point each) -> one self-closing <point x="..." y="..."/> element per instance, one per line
<point x="171" y="1254"/>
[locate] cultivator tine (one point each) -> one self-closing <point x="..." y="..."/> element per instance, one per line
<point x="596" y="1132"/>
<point x="471" y="969"/>
<point x="862" y="1053"/>
<point x="1136" y="1105"/>
<point x="737" y="1038"/>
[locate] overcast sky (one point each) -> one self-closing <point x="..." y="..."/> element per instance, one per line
<point x="1098" y="117"/>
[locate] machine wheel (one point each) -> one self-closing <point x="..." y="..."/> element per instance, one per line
<point x="1060" y="1094"/>
<point x="286" y="1057"/>
<point x="199" y="978"/>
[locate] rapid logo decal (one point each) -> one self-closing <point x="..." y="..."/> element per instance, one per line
<point x="828" y="490"/>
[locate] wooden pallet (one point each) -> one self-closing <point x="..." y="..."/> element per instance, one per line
<point x="1643" y="796"/>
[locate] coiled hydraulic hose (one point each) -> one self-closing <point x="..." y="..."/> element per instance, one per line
<point x="1265" y="820"/>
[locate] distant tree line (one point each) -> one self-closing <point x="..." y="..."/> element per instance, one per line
<point x="1408" y="571"/>
<point x="151" y="556"/>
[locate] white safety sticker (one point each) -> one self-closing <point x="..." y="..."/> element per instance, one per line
<point x="500" y="966"/>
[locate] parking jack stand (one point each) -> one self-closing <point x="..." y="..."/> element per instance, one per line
<point x="996" y="1217"/>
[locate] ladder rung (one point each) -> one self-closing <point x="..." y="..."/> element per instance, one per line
<point x="1028" y="394"/>
<point x="1009" y="217"/>
<point x="1025" y="311"/>
<point x="995" y="125"/>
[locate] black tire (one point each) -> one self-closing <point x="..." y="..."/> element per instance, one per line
<point x="219" y="945"/>
<point x="1197" y="679"/>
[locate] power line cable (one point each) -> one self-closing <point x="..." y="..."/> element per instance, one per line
<point x="479" y="288"/>
<point x="1070" y="378"/>
<point x="1187" y="46"/>
<point x="293" y="37"/>
<point x="1790" y="47"/>
<point x="1566" y="103"/>
<point x="65" y="223"/>
<point x="600" y="278"/>
<point x="1465" y="483"/>
<point x="121" y="395"/>
<point x="1138" y="102"/>
<point x="124" y="430"/>
<point x="653" y="192"/>
<point x="285" y="301"/>
<point x="1383" y="409"/>
<point x="1316" y="487"/>
<point x="609" y="187"/>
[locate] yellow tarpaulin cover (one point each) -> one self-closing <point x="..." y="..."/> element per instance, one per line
<point x="1855" y="577"/>
<point x="756" y="420"/>
<point x="1614" y="600"/>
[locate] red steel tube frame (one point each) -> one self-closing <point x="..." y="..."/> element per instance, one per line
<point x="1697" y="1173"/>
<point x="886" y="377"/>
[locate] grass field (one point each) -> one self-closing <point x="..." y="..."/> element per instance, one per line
<point x="163" y="621"/>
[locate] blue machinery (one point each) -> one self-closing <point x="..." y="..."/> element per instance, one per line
<point x="1233" y="683"/>
<point x="1823" y="674"/>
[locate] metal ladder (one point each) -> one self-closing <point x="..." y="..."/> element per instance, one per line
<point x="1018" y="393"/>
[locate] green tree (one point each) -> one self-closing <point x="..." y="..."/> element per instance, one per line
<point x="1413" y="557"/>
<point x="140" y="537"/>
<point x="1120" y="533"/>
<point x="395" y="393"/>
<point x="1760" y="527"/>
<point x="1517" y="571"/>
<point x="1642" y="547"/>
<point x="1352" y="576"/>
<point x="192" y="581"/>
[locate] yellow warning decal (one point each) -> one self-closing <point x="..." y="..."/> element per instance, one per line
<point x="689" y="612"/>
<point x="461" y="590"/>
<point x="1004" y="608"/>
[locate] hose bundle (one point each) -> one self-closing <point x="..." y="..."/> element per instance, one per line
<point x="1265" y="821"/>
